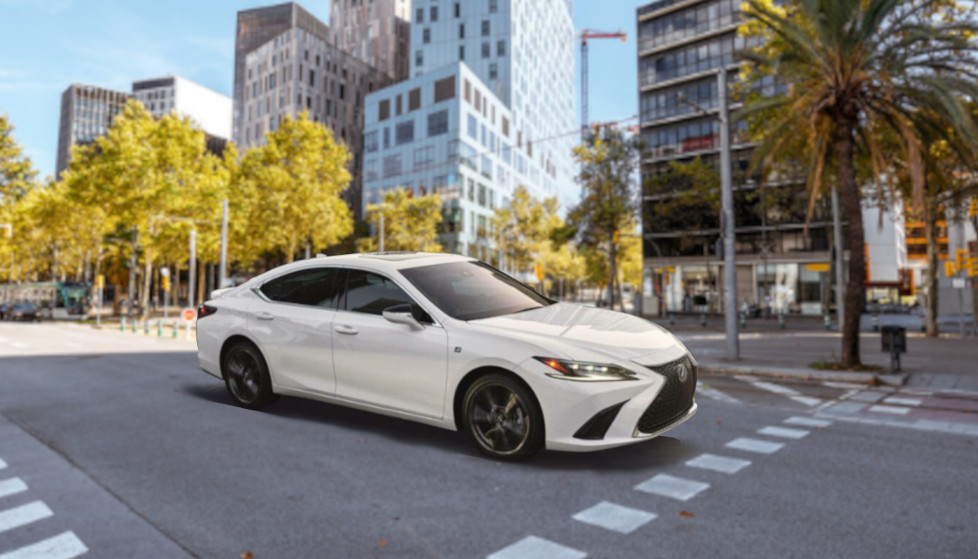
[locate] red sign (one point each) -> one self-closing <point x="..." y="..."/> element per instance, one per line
<point x="189" y="314"/>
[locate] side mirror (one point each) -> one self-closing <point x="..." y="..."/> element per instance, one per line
<point x="401" y="314"/>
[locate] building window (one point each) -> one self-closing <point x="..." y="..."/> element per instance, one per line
<point x="384" y="109"/>
<point x="434" y="13"/>
<point x="438" y="123"/>
<point x="493" y="71"/>
<point x="424" y="156"/>
<point x="392" y="165"/>
<point x="506" y="127"/>
<point x="387" y="137"/>
<point x="445" y="89"/>
<point x="414" y="99"/>
<point x="312" y="78"/>
<point x="461" y="31"/>
<point x="493" y="6"/>
<point x="419" y="15"/>
<point x="370" y="142"/>
<point x="458" y="10"/>
<point x="468" y="91"/>
<point x="398" y="106"/>
<point x="405" y="132"/>
<point x="501" y="48"/>
<point x="473" y="127"/>
<point x="461" y="52"/>
<point x="426" y="35"/>
<point x="485" y="28"/>
<point x="419" y="57"/>
<point x="486" y="50"/>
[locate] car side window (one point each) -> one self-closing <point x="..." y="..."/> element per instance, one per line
<point x="371" y="293"/>
<point x="316" y="287"/>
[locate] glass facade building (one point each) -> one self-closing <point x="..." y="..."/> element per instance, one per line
<point x="86" y="112"/>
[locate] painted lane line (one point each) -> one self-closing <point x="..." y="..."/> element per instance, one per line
<point x="12" y="486"/>
<point x="755" y="445"/>
<point x="672" y="487"/>
<point x="783" y="432"/>
<point x="714" y="394"/>
<point x="807" y="400"/>
<point x="532" y="547"/>
<point x="610" y="516"/>
<point x="775" y="388"/>
<point x="63" y="546"/>
<point x="844" y="385"/>
<point x="2" y="464"/>
<point x="895" y="410"/>
<point x="808" y="422"/>
<point x="868" y="396"/>
<point x="844" y="408"/>
<point x="24" y="514"/>
<point x="718" y="463"/>
<point x="903" y="401"/>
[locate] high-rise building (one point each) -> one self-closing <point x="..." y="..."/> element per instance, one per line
<point x="489" y="107"/>
<point x="209" y="110"/>
<point x="780" y="261"/>
<point x="375" y="31"/>
<point x="299" y="69"/>
<point x="86" y="112"/>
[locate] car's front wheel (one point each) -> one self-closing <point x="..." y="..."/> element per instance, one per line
<point x="502" y="418"/>
<point x="246" y="376"/>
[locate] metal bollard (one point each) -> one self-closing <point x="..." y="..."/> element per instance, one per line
<point x="134" y="326"/>
<point x="743" y="320"/>
<point x="876" y="323"/>
<point x="159" y="328"/>
<point x="781" y="320"/>
<point x="703" y="319"/>
<point x="828" y="322"/>
<point x="176" y="329"/>
<point x="146" y="326"/>
<point x="122" y="325"/>
<point x="672" y="319"/>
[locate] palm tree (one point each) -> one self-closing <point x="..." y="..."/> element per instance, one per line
<point x="852" y="69"/>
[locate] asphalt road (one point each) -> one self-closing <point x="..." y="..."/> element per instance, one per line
<point x="135" y="452"/>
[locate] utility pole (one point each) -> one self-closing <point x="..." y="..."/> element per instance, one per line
<point x="192" y="265"/>
<point x="840" y="286"/>
<point x="729" y="245"/>
<point x="223" y="272"/>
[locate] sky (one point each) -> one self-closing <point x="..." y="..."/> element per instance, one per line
<point x="46" y="45"/>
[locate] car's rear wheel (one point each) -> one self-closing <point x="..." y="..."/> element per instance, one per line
<point x="246" y="376"/>
<point x="502" y="418"/>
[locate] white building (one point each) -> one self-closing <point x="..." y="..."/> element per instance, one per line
<point x="210" y="110"/>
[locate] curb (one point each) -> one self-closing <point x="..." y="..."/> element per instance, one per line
<point x="891" y="379"/>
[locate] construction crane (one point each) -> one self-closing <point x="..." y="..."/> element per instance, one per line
<point x="584" y="36"/>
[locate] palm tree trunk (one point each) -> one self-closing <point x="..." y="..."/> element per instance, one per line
<point x="930" y="274"/>
<point x="852" y="199"/>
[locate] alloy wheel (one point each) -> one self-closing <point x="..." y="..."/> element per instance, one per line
<point x="499" y="420"/>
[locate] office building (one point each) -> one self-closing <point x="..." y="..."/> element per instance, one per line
<point x="681" y="46"/>
<point x="299" y="69"/>
<point x="208" y="109"/>
<point x="375" y="31"/>
<point x="86" y="112"/>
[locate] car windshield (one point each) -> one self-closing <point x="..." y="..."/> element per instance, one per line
<point x="473" y="290"/>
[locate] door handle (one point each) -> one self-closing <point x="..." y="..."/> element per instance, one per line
<point x="264" y="315"/>
<point x="344" y="329"/>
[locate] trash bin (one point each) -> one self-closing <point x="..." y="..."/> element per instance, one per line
<point x="894" y="342"/>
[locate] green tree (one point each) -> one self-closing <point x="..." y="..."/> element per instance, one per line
<point x="524" y="228"/>
<point x="610" y="203"/>
<point x="852" y="68"/>
<point x="293" y="184"/>
<point x="17" y="178"/>
<point x="409" y="222"/>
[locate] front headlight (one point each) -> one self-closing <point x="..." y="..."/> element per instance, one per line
<point x="592" y="372"/>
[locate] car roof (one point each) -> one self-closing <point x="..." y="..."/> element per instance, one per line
<point x="393" y="259"/>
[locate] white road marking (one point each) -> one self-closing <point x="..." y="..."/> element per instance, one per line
<point x="2" y="464"/>
<point x="807" y="400"/>
<point x="63" y="546"/>
<point x="673" y="487"/>
<point x="718" y="463"/>
<point x="903" y="401"/>
<point x="610" y="516"/>
<point x="845" y="385"/>
<point x="532" y="547"/>
<point x="783" y="432"/>
<point x="775" y="388"/>
<point x="845" y="408"/>
<point x="808" y="422"/>
<point x="24" y="514"/>
<point x="867" y="396"/>
<point x="895" y="410"/>
<point x="12" y="486"/>
<point x="714" y="394"/>
<point x="755" y="445"/>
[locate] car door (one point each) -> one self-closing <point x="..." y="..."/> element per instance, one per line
<point x="383" y="363"/>
<point x="291" y="323"/>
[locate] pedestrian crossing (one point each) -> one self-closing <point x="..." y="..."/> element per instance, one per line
<point x="13" y="517"/>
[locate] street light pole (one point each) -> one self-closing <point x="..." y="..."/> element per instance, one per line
<point x="192" y="265"/>
<point x="223" y="272"/>
<point x="727" y="213"/>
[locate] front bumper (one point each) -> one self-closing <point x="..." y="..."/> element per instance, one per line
<point x="568" y="405"/>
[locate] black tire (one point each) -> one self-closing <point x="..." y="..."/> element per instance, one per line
<point x="502" y="418"/>
<point x="246" y="376"/>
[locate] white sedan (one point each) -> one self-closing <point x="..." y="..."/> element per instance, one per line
<point x="448" y="341"/>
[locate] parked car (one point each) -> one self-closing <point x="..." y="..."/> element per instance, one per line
<point x="22" y="310"/>
<point x="4" y="307"/>
<point x="448" y="341"/>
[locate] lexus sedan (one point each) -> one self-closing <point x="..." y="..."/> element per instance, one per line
<point x="448" y="341"/>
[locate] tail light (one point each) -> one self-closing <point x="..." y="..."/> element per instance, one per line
<point x="205" y="310"/>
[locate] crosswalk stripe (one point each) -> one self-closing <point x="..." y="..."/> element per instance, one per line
<point x="12" y="486"/>
<point x="807" y="400"/>
<point x="808" y="422"/>
<point x="903" y="401"/>
<point x="532" y="547"/>
<point x="673" y="487"/>
<point x="718" y="463"/>
<point x="783" y="432"/>
<point x="2" y="464"/>
<point x="63" y="546"/>
<point x="714" y="394"/>
<point x="24" y="514"/>
<point x="610" y="516"/>
<point x="755" y="445"/>
<point x="895" y="410"/>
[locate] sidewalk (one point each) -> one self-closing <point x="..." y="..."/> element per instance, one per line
<point x="948" y="362"/>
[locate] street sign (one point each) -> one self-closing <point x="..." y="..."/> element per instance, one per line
<point x="100" y="281"/>
<point x="958" y="283"/>
<point x="539" y="272"/>
<point x="949" y="270"/>
<point x="189" y="314"/>
<point x="818" y="267"/>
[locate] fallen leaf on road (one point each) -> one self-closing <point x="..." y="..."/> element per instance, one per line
<point x="685" y="514"/>
<point x="383" y="542"/>
<point x="718" y="422"/>
<point x="246" y="555"/>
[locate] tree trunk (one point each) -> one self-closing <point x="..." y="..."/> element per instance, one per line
<point x="611" y="271"/>
<point x="930" y="273"/>
<point x="147" y="284"/>
<point x="201" y="294"/>
<point x="852" y="200"/>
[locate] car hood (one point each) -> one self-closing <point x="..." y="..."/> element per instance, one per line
<point x="589" y="334"/>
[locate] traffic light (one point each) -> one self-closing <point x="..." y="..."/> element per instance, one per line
<point x="165" y="283"/>
<point x="973" y="208"/>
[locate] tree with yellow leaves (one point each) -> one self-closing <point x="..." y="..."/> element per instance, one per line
<point x="523" y="229"/>
<point x="409" y="222"/>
